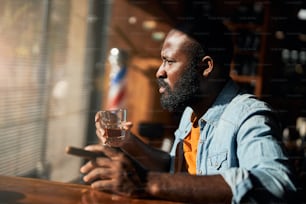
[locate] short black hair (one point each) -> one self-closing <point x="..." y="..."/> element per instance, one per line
<point x="213" y="36"/>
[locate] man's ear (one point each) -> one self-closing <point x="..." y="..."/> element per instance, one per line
<point x="207" y="65"/>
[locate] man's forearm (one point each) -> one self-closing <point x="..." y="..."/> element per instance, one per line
<point x="187" y="188"/>
<point x="150" y="158"/>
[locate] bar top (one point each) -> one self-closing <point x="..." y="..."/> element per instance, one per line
<point x="37" y="191"/>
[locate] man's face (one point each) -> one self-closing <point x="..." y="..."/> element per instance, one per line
<point x="177" y="76"/>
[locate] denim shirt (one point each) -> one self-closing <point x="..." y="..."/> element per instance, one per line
<point x="237" y="141"/>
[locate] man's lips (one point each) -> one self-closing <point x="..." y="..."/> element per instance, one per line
<point x="162" y="85"/>
<point x="162" y="89"/>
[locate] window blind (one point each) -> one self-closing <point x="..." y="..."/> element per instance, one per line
<point x="22" y="98"/>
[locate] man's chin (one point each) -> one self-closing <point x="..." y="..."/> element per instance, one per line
<point x="172" y="107"/>
<point x="166" y="106"/>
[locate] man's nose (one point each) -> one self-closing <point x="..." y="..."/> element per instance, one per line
<point x="161" y="73"/>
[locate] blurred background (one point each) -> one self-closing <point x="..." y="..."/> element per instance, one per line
<point x="63" y="60"/>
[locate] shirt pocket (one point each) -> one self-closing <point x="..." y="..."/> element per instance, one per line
<point x="217" y="162"/>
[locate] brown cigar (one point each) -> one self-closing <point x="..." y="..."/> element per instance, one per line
<point x="83" y="153"/>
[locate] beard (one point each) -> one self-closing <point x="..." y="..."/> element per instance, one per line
<point x="185" y="89"/>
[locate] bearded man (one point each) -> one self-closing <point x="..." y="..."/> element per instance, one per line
<point x="226" y="147"/>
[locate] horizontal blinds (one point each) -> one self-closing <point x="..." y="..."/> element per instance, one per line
<point x="22" y="107"/>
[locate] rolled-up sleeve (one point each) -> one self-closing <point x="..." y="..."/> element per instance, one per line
<point x="239" y="181"/>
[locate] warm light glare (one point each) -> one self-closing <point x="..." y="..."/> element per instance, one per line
<point x="132" y="20"/>
<point x="280" y="35"/>
<point x="149" y="25"/>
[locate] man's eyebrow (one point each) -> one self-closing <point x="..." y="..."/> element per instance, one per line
<point x="164" y="55"/>
<point x="167" y="55"/>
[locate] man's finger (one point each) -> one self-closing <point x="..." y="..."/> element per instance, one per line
<point x="94" y="148"/>
<point x="98" y="173"/>
<point x="87" y="167"/>
<point x="103" y="185"/>
<point x="97" y="116"/>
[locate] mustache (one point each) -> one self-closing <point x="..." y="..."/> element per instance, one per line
<point x="162" y="83"/>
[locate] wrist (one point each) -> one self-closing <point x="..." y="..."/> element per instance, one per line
<point x="142" y="190"/>
<point x="126" y="143"/>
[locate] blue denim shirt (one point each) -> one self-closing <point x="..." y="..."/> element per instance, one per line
<point x="237" y="140"/>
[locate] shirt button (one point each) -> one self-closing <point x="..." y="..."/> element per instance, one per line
<point x="202" y="123"/>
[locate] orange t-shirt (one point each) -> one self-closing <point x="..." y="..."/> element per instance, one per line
<point x="190" y="147"/>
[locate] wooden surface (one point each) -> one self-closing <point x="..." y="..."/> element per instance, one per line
<point x="19" y="190"/>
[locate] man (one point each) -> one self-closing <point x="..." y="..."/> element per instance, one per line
<point x="225" y="148"/>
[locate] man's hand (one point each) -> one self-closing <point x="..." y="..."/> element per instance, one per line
<point x="117" y="173"/>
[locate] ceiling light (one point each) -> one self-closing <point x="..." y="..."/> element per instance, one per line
<point x="158" y="36"/>
<point x="149" y="25"/>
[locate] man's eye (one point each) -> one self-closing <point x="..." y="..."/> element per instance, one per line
<point x="169" y="62"/>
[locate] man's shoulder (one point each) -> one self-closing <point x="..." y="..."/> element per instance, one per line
<point x="244" y="105"/>
<point x="249" y="102"/>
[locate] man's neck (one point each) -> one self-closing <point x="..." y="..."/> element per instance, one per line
<point x="205" y="99"/>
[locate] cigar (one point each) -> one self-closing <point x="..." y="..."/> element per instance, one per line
<point x="83" y="153"/>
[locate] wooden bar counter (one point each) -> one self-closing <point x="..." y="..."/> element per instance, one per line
<point x="20" y="190"/>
